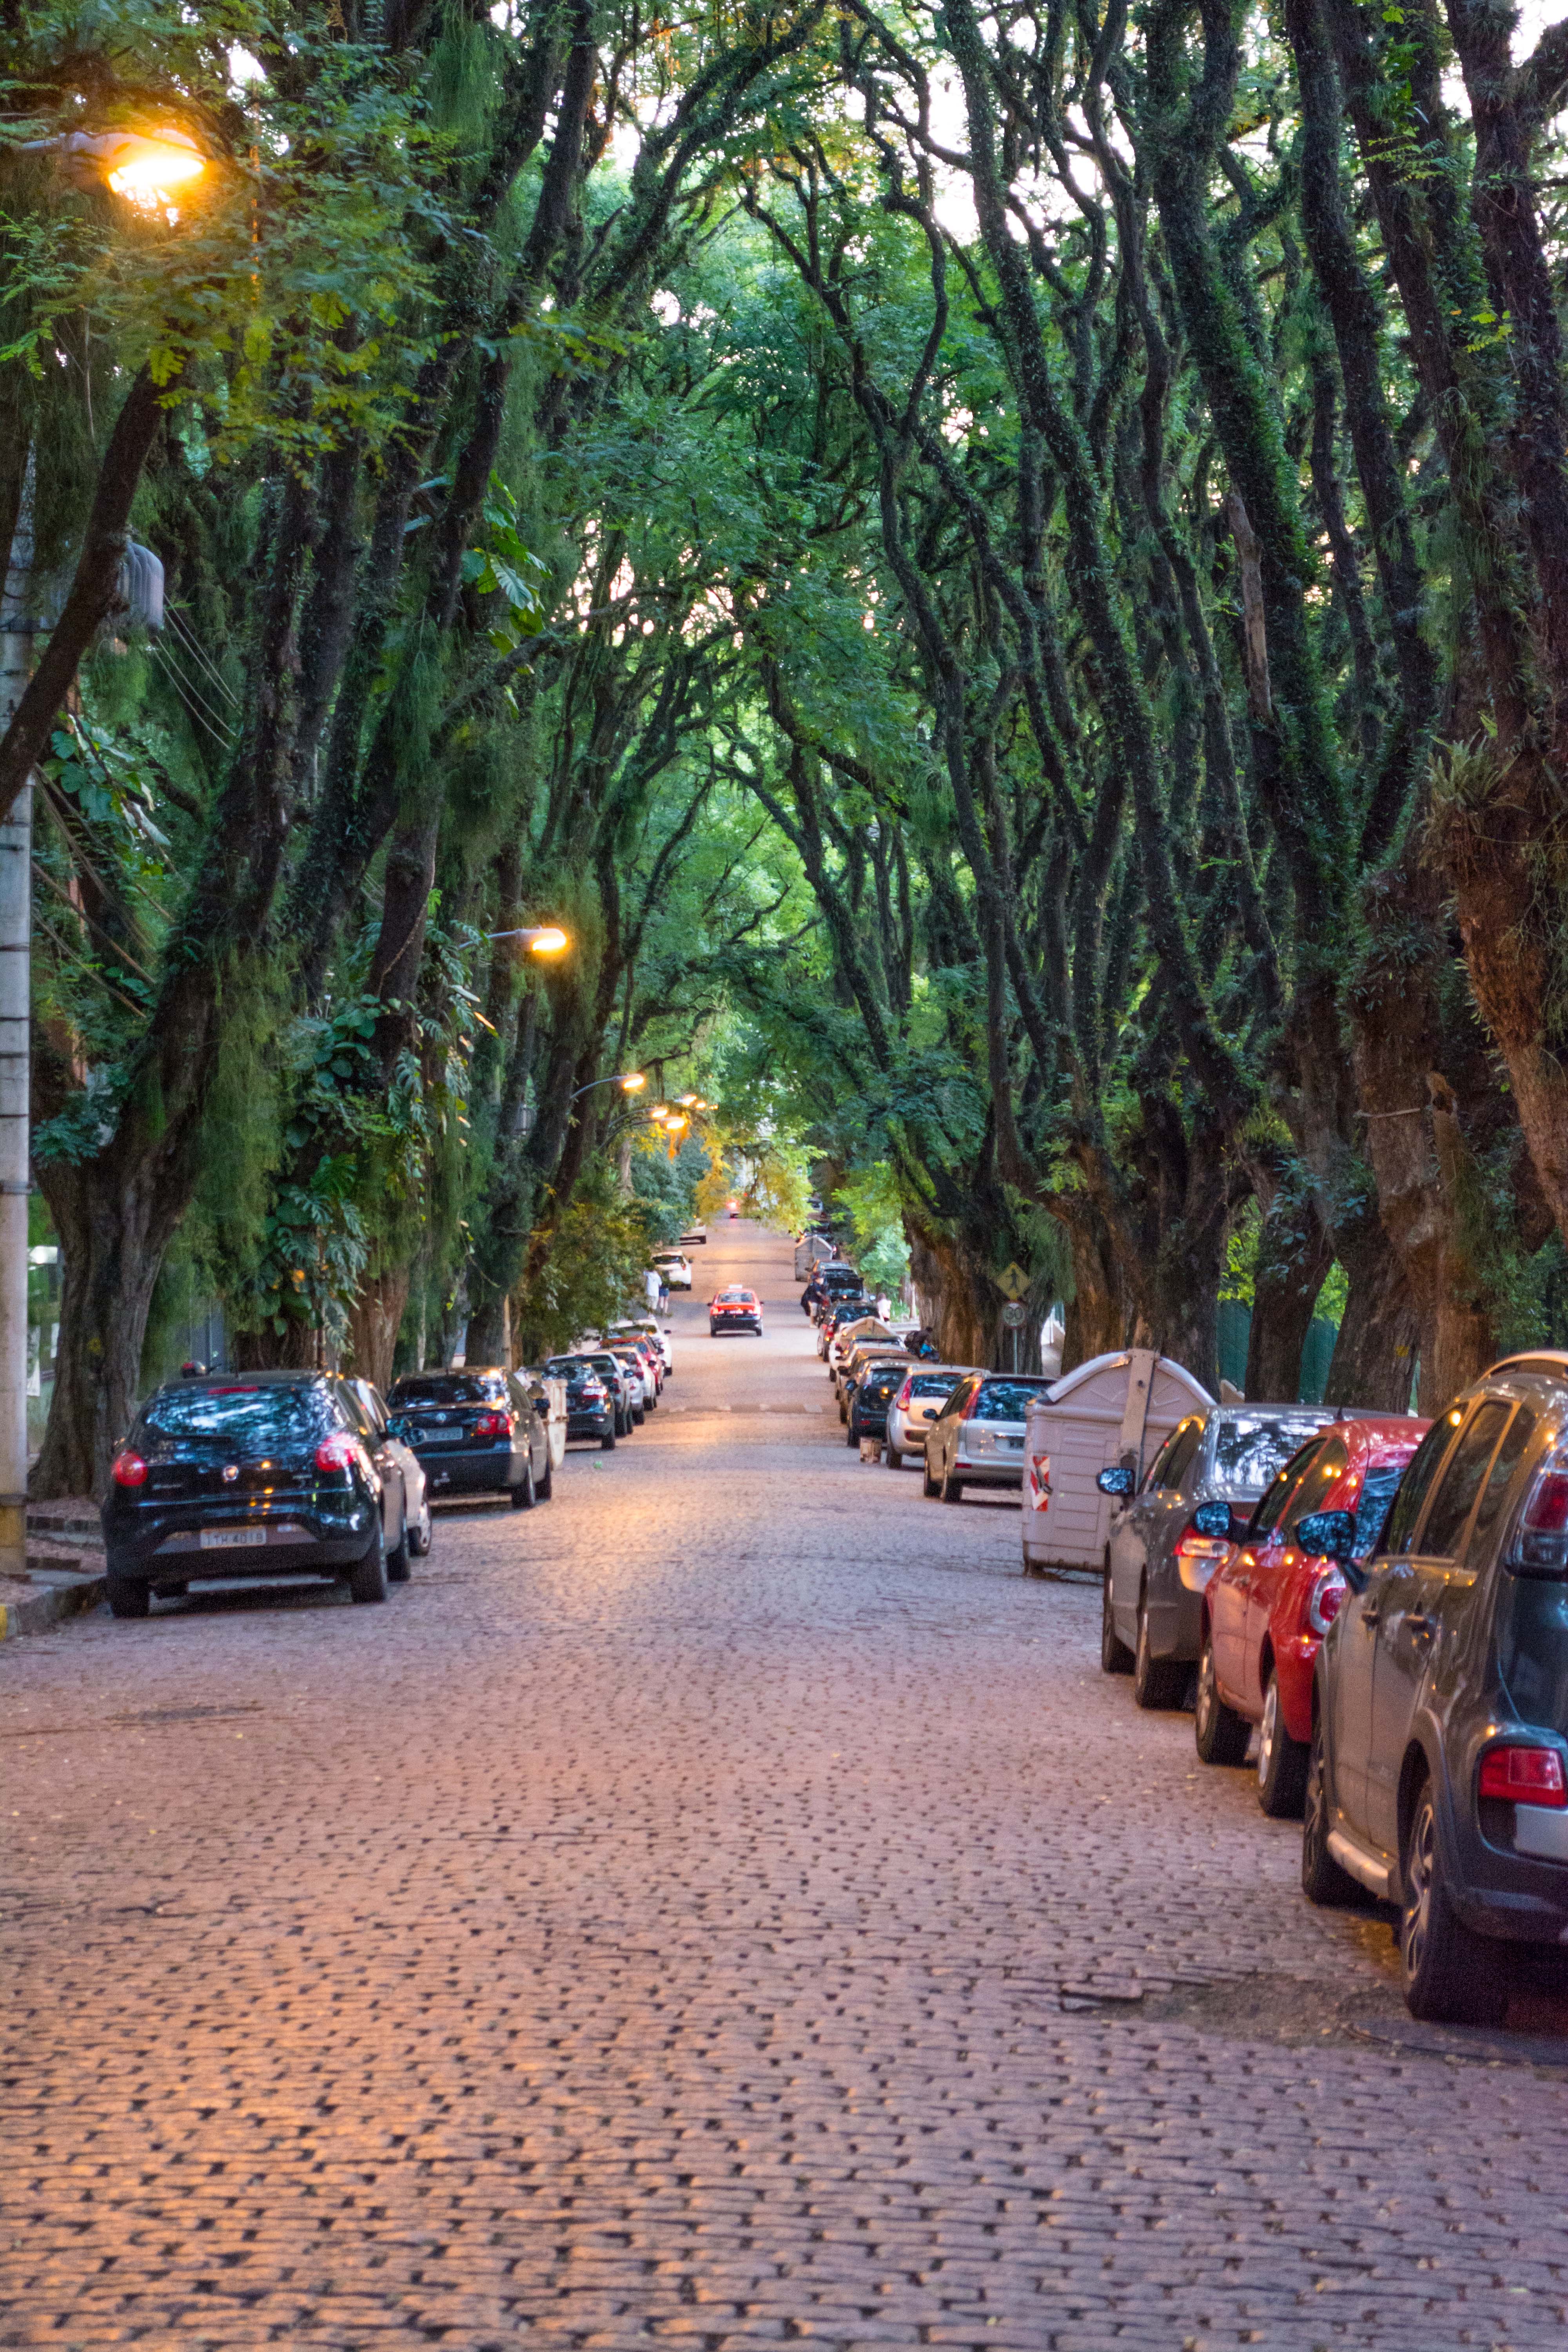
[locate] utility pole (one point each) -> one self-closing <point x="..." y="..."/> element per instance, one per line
<point x="18" y="628"/>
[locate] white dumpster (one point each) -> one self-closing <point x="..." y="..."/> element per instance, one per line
<point x="1113" y="1408"/>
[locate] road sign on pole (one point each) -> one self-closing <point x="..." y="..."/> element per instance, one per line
<point x="1013" y="1281"/>
<point x="1012" y="1315"/>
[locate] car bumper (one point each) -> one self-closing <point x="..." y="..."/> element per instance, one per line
<point x="733" y="1323"/>
<point x="989" y="1472"/>
<point x="591" y="1424"/>
<point x="296" y="1539"/>
<point x="487" y="1470"/>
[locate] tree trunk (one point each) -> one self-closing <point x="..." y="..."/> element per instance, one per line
<point x="113" y="1230"/>
<point x="1294" y="1254"/>
<point x="1375" y="1356"/>
<point x="375" y="1320"/>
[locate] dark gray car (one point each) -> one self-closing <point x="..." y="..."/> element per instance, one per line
<point x="1226" y="1454"/>
<point x="1438" y="1775"/>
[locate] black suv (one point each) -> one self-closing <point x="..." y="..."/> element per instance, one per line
<point x="1438" y="1775"/>
<point x="252" y="1474"/>
<point x="477" y="1432"/>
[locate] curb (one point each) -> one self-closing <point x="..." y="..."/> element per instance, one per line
<point x="50" y="1605"/>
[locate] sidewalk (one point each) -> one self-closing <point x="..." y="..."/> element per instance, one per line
<point x="65" y="1568"/>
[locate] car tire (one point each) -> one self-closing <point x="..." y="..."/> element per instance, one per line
<point x="951" y="1489"/>
<point x="1281" y="1761"/>
<point x="1323" y="1881"/>
<point x="639" y="1414"/>
<point x="545" y="1487"/>
<point x="849" y="1437"/>
<point x="422" y="1535"/>
<point x="367" y="1576"/>
<point x="1219" y="1733"/>
<point x="1115" y="1657"/>
<point x="399" y="1562"/>
<point x="1156" y="1682"/>
<point x="1451" y="1976"/>
<point x="524" y="1494"/>
<point x="892" y="1457"/>
<point x="128" y="1595"/>
<point x="928" y="1484"/>
<point x="608" y="1443"/>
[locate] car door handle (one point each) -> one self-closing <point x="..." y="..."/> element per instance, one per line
<point x="1422" y="1628"/>
<point x="1371" y="1616"/>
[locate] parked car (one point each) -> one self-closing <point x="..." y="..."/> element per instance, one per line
<point x="1268" y="1607"/>
<point x="375" y="1427"/>
<point x="915" y="1403"/>
<point x="866" y="1414"/>
<point x="848" y="1333"/>
<point x="477" y="1430"/>
<point x="591" y="1405"/>
<point x="845" y="1309"/>
<point x="648" y="1326"/>
<point x="256" y="1474"/>
<point x="841" y="1286"/>
<point x="877" y="1346"/>
<point x="1224" y="1455"/>
<point x="977" y="1437"/>
<point x="734" y="1309"/>
<point x="1438" y="1771"/>
<point x="693" y="1237"/>
<point x="643" y="1361"/>
<point x="674" y="1267"/>
<point x="626" y="1390"/>
<point x="549" y="1396"/>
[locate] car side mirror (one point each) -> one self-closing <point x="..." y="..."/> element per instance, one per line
<point x="1119" y="1481"/>
<point x="1212" y="1519"/>
<point x="396" y="1424"/>
<point x="1327" y="1535"/>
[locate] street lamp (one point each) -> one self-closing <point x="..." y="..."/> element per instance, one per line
<point x="146" y="167"/>
<point x="629" y="1081"/>
<point x="550" y="941"/>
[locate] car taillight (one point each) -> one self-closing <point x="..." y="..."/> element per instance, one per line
<point x="592" y="1393"/>
<point x="905" y="1393"/>
<point x="1524" y="1776"/>
<point x="1324" y="1599"/>
<point x="129" y="1470"/>
<point x="493" y="1424"/>
<point x="337" y="1452"/>
<point x="1542" y="1540"/>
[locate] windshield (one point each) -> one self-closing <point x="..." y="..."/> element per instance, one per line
<point x="1007" y="1399"/>
<point x="450" y="1388"/>
<point x="1248" y="1449"/>
<point x="253" y="1420"/>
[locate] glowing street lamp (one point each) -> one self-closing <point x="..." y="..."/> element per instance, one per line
<point x="550" y="941"/>
<point x="147" y="168"/>
<point x="629" y="1081"/>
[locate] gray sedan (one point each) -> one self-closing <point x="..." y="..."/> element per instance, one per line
<point x="977" y="1438"/>
<point x="1153" y="1616"/>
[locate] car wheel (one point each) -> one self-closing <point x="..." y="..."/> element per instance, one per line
<point x="893" y="1458"/>
<point x="639" y="1414"/>
<point x="1451" y="1975"/>
<point x="367" y="1576"/>
<point x="849" y="1436"/>
<point x="1156" y="1682"/>
<point x="1322" y="1880"/>
<point x="608" y="1443"/>
<point x="1220" y="1733"/>
<point x="545" y="1487"/>
<point x="398" y="1560"/>
<point x="1281" y="1761"/>
<point x="951" y="1489"/>
<point x="128" y="1596"/>
<point x="1115" y="1657"/>
<point x="524" y="1494"/>
<point x="841" y="1414"/>
<point x="421" y="1534"/>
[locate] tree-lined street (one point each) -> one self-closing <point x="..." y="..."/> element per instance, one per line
<point x="726" y="1905"/>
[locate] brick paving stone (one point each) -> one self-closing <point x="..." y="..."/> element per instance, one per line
<point x="726" y="1907"/>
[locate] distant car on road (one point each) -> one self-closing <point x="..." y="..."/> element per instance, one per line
<point x="477" y="1430"/>
<point x="734" y="1309"/>
<point x="693" y="1237"/>
<point x="253" y="1473"/>
<point x="1267" y="1609"/>
<point x="915" y="1405"/>
<point x="1196" y="1498"/>
<point x="674" y="1267"/>
<point x="977" y="1438"/>
<point x="1439" y="1773"/>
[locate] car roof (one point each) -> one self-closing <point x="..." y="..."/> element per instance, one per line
<point x="236" y="1381"/>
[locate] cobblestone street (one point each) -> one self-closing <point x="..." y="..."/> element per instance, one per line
<point x="726" y="1904"/>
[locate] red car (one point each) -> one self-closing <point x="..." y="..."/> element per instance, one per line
<point x="1268" y="1605"/>
<point x="734" y="1309"/>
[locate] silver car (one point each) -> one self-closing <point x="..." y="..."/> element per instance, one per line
<point x="977" y="1438"/>
<point x="916" y="1406"/>
<point x="416" y="1496"/>
<point x="1153" y="1615"/>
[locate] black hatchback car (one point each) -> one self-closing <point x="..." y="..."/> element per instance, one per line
<point x="867" y="1412"/>
<point x="249" y="1475"/>
<point x="477" y="1430"/>
<point x="1438" y="1773"/>
<point x="590" y="1401"/>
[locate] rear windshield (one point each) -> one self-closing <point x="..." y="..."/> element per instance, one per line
<point x="884" y="1380"/>
<point x="450" y="1388"/>
<point x="746" y="1297"/>
<point x="935" y="1383"/>
<point x="262" y="1418"/>
<point x="1248" y="1450"/>
<point x="1007" y="1399"/>
<point x="567" y="1368"/>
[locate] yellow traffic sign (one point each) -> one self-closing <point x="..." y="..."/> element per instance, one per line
<point x="1014" y="1282"/>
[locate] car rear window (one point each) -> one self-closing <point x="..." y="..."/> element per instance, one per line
<point x="264" y="1418"/>
<point x="926" y="1384"/>
<point x="567" y="1368"/>
<point x="1007" y="1399"/>
<point x="1248" y="1450"/>
<point x="450" y="1388"/>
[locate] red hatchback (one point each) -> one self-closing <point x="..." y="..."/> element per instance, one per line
<point x="1269" y="1606"/>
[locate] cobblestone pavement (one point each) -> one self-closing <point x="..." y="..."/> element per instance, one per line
<point x="726" y="1905"/>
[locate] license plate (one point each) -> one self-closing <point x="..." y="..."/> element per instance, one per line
<point x="231" y="1538"/>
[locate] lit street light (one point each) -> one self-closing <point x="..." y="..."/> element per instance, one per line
<point x="546" y="942"/>
<point x="147" y="168"/>
<point x="628" y="1080"/>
